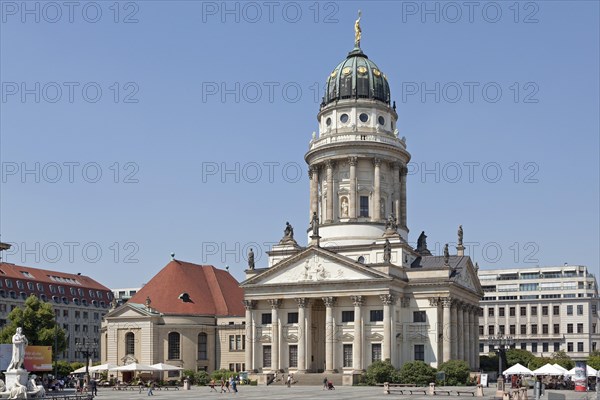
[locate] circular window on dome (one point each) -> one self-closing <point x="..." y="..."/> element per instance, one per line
<point x="346" y="71"/>
<point x="381" y="120"/>
<point x="344" y="118"/>
<point x="364" y="117"/>
<point x="328" y="121"/>
<point x="334" y="73"/>
<point x="362" y="70"/>
<point x="376" y="72"/>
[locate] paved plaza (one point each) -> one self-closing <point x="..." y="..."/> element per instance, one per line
<point x="281" y="392"/>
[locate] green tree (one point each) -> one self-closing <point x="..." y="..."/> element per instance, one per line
<point x="594" y="360"/>
<point x="417" y="373"/>
<point x="537" y="362"/>
<point x="514" y="356"/>
<point x="201" y="378"/>
<point x="380" y="372"/>
<point x="489" y="362"/>
<point x="457" y="372"/>
<point x="39" y="326"/>
<point x="561" y="358"/>
<point x="63" y="368"/>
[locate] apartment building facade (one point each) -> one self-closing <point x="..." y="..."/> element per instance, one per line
<point x="543" y="309"/>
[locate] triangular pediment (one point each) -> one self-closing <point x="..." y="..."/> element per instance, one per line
<point x="467" y="277"/>
<point x="315" y="265"/>
<point x="130" y="310"/>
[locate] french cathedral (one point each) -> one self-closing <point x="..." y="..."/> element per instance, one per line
<point x="358" y="292"/>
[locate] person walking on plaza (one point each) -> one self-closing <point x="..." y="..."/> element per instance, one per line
<point x="94" y="387"/>
<point x="325" y="383"/>
<point x="212" y="385"/>
<point x="150" y="387"/>
<point x="222" y="385"/>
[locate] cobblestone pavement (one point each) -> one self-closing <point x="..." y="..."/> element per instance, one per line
<point x="311" y="392"/>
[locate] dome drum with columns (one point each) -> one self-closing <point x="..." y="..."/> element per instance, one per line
<point x="358" y="292"/>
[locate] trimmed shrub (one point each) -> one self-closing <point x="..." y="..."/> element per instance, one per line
<point x="457" y="372"/>
<point x="417" y="373"/>
<point x="380" y="372"/>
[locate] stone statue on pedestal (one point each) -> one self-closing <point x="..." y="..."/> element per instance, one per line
<point x="18" y="354"/>
<point x="460" y="235"/>
<point x="314" y="224"/>
<point x="251" y="260"/>
<point x="387" y="252"/>
<point x="446" y="254"/>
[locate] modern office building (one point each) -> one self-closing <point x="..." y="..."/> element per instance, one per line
<point x="122" y="295"/>
<point x="544" y="309"/>
<point x="79" y="303"/>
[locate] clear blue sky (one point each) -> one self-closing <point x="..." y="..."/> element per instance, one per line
<point x="165" y="124"/>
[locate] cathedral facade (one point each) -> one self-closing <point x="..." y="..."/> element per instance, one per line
<point x="358" y="292"/>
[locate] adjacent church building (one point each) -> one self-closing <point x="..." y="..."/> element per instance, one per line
<point x="358" y="293"/>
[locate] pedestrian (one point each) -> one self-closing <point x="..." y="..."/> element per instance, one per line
<point x="289" y="381"/>
<point x="212" y="385"/>
<point x="150" y="387"/>
<point x="227" y="385"/>
<point x="222" y="385"/>
<point x="325" y="383"/>
<point x="234" y="385"/>
<point x="94" y="386"/>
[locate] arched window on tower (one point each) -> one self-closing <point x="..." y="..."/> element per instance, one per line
<point x="129" y="343"/>
<point x="202" y="346"/>
<point x="174" y="346"/>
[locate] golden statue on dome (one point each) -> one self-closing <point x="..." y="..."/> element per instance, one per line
<point x="357" y="31"/>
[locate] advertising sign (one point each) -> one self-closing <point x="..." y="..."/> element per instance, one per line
<point x="37" y="358"/>
<point x="580" y="378"/>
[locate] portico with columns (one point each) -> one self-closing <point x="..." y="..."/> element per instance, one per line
<point x="358" y="292"/>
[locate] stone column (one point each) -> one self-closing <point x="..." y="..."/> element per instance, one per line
<point x="396" y="181"/>
<point x="460" y="332"/>
<point x="376" y="216"/>
<point x="476" y="314"/>
<point x="402" y="218"/>
<point x="453" y="328"/>
<point x="313" y="175"/>
<point x="388" y="302"/>
<point x="249" y="305"/>
<point x="439" y="328"/>
<point x="275" y="303"/>
<point x="329" y="332"/>
<point x="447" y="331"/>
<point x="474" y="335"/>
<point x="467" y="334"/>
<point x="357" y="350"/>
<point x="330" y="192"/>
<point x="302" y="325"/>
<point x="352" y="200"/>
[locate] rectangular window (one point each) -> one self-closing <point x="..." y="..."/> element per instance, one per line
<point x="556" y="346"/>
<point x="266" y="319"/>
<point x="569" y="347"/>
<point x="232" y="367"/>
<point x="593" y="346"/>
<point x="523" y="346"/>
<point x="544" y="310"/>
<point x="523" y="329"/>
<point x="534" y="330"/>
<point x="545" y="329"/>
<point x="267" y="356"/>
<point x="85" y="315"/>
<point x="501" y="312"/>
<point x="556" y="329"/>
<point x="501" y="330"/>
<point x="534" y="347"/>
<point x="580" y="309"/>
<point x="292" y="318"/>
<point x="513" y="329"/>
<point x="490" y="329"/>
<point x="419" y="316"/>
<point x="293" y="356"/>
<point x="481" y="348"/>
<point x="347" y="356"/>
<point x="375" y="352"/>
<point x="231" y="342"/>
<point x="545" y="347"/>
<point x="580" y="346"/>
<point x="593" y="328"/>
<point x="569" y="328"/>
<point x="555" y="310"/>
<point x="570" y="311"/>
<point x="579" y="328"/>
<point x="594" y="309"/>
<point x="523" y="311"/>
<point x="202" y="346"/>
<point x="364" y="206"/>
<point x="490" y="312"/>
<point x="347" y="316"/>
<point x="512" y="311"/>
<point x="481" y="330"/>
<point x="533" y="310"/>
<point x="376" y="315"/>
<point x="419" y="352"/>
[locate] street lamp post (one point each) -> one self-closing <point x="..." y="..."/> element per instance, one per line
<point x="500" y="343"/>
<point x="87" y="347"/>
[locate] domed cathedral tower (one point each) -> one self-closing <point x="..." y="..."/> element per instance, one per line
<point x="357" y="165"/>
<point x="358" y="293"/>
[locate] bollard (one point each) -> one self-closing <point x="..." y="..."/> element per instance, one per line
<point x="386" y="388"/>
<point x="479" y="392"/>
<point x="505" y="396"/>
<point x="432" y="389"/>
<point x="524" y="393"/>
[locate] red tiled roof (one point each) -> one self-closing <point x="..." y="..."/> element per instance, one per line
<point x="46" y="277"/>
<point x="212" y="291"/>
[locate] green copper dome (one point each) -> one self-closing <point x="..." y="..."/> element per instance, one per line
<point x="356" y="77"/>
